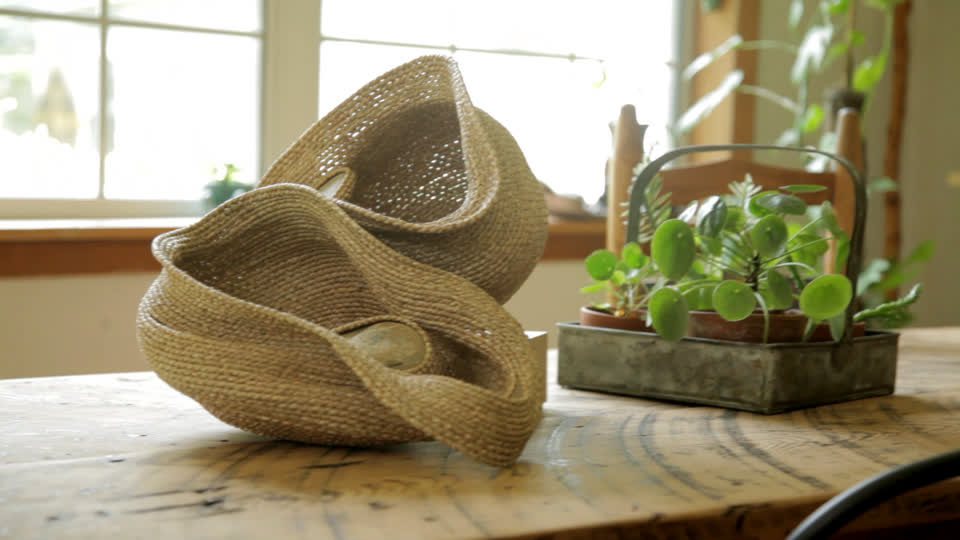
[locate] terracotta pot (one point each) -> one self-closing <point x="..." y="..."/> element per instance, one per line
<point x="785" y="327"/>
<point x="595" y="317"/>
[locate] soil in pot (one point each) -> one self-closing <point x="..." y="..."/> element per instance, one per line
<point x="785" y="327"/>
<point x="636" y="321"/>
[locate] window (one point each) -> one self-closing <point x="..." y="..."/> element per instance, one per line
<point x="113" y="101"/>
<point x="113" y="108"/>
<point x="554" y="72"/>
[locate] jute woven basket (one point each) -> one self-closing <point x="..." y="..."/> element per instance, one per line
<point x="412" y="160"/>
<point x="249" y="313"/>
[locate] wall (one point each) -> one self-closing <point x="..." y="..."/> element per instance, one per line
<point x="85" y="324"/>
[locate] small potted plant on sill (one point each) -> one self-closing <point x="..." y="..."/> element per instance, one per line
<point x="736" y="259"/>
<point x="222" y="189"/>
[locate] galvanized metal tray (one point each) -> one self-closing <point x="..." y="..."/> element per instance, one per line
<point x="762" y="378"/>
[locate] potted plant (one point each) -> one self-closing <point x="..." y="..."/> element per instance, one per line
<point x="224" y="188"/>
<point x="746" y="258"/>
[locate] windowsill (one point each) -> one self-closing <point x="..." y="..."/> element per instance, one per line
<point x="96" y="246"/>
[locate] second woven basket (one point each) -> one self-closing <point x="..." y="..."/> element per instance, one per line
<point x="412" y="160"/>
<point x="248" y="316"/>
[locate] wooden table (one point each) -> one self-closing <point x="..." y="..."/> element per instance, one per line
<point x="123" y="455"/>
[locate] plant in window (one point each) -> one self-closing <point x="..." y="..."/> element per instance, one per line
<point x="225" y="187"/>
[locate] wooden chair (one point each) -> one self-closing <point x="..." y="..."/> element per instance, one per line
<point x="694" y="182"/>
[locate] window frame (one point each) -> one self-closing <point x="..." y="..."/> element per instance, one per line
<point x="101" y="207"/>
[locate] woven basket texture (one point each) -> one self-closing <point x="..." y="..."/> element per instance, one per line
<point x="248" y="314"/>
<point x="412" y="160"/>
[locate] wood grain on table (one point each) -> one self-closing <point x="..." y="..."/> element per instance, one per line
<point x="124" y="455"/>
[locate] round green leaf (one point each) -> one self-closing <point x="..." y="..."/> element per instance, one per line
<point x="826" y="296"/>
<point x="780" y="289"/>
<point x="734" y="300"/>
<point x="769" y="235"/>
<point x="755" y="208"/>
<point x="632" y="255"/>
<point x="829" y="218"/>
<point x="711" y="217"/>
<point x="673" y="248"/>
<point x="814" y="244"/>
<point x="699" y="298"/>
<point x="780" y="203"/>
<point x="668" y="310"/>
<point x="803" y="188"/>
<point x="601" y="264"/>
<point x="735" y="218"/>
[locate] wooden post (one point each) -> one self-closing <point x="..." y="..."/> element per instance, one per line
<point x="891" y="157"/>
<point x="732" y="120"/>
<point x="850" y="146"/>
<point x="627" y="153"/>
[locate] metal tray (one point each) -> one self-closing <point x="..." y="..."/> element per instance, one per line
<point x="762" y="378"/>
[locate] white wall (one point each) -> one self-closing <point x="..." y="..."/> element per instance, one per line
<point x="85" y="324"/>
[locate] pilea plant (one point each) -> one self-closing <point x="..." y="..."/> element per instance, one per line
<point x="733" y="253"/>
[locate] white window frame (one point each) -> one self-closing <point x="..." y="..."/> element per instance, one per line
<point x="290" y="63"/>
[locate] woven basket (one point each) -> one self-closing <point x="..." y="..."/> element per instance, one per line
<point x="415" y="163"/>
<point x="247" y="316"/>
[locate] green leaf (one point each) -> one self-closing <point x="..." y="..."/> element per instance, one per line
<point x="813" y="244"/>
<point x="632" y="255"/>
<point x="769" y="235"/>
<point x="881" y="184"/>
<point x="707" y="58"/>
<point x="594" y="287"/>
<point x="699" y="298"/>
<point x="837" y="7"/>
<point x="673" y="248"/>
<point x="838" y="323"/>
<point x="869" y="72"/>
<point x="889" y="309"/>
<point x="813" y="118"/>
<point x="872" y="274"/>
<point x="922" y="253"/>
<point x="735" y="219"/>
<point x="706" y="104"/>
<point x="781" y="203"/>
<point x="836" y="50"/>
<point x="618" y="277"/>
<point x="669" y="313"/>
<point x="829" y="218"/>
<point x="781" y="292"/>
<point x="755" y="208"/>
<point x="711" y="217"/>
<point x="843" y="249"/>
<point x="795" y="14"/>
<point x="734" y="300"/>
<point x="803" y="188"/>
<point x="812" y="51"/>
<point x="885" y="5"/>
<point x="713" y="245"/>
<point x="601" y="264"/>
<point x="826" y="296"/>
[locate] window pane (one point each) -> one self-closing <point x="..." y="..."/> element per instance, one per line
<point x="49" y="100"/>
<point x="597" y="28"/>
<point x="553" y="108"/>
<point x="181" y="103"/>
<point x="240" y="15"/>
<point x="63" y="7"/>
<point x="345" y="67"/>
